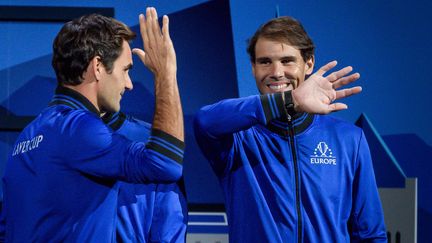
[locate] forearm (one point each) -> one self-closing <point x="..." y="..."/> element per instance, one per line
<point x="160" y="58"/>
<point x="233" y="115"/>
<point x="159" y="161"/>
<point x="168" y="116"/>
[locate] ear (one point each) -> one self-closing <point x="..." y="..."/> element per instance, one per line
<point x="310" y="65"/>
<point x="96" y="67"/>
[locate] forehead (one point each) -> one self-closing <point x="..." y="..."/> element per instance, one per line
<point x="268" y="48"/>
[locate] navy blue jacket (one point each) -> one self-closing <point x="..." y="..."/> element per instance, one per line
<point x="60" y="182"/>
<point x="307" y="178"/>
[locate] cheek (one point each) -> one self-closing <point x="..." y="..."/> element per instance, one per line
<point x="117" y="81"/>
<point x="261" y="74"/>
<point x="293" y="69"/>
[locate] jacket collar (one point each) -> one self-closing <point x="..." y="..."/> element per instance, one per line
<point x="73" y="99"/>
<point x="114" y="120"/>
<point x="300" y="123"/>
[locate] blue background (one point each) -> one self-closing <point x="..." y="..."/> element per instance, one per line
<point x="388" y="42"/>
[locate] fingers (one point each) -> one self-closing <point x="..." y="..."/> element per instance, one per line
<point x="140" y="53"/>
<point x="158" y="53"/>
<point x="326" y="67"/>
<point x="150" y="28"/>
<point x="143" y="28"/>
<point x="155" y="23"/>
<point x="165" y="28"/>
<point x="149" y="23"/>
<point x="343" y="93"/>
<point x="337" y="107"/>
<point x="338" y="74"/>
<point x="345" y="80"/>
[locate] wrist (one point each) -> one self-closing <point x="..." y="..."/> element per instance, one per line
<point x="165" y="78"/>
<point x="290" y="102"/>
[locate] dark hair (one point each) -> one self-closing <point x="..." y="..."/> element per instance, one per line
<point x="81" y="39"/>
<point x="286" y="30"/>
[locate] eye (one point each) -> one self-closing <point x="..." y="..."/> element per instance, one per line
<point x="127" y="68"/>
<point x="264" y="62"/>
<point x="287" y="61"/>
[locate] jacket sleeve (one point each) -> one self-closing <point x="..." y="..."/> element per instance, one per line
<point x="93" y="149"/>
<point x="215" y="125"/>
<point x="366" y="222"/>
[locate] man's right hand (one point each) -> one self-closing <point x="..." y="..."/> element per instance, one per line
<point x="158" y="54"/>
<point x="318" y="93"/>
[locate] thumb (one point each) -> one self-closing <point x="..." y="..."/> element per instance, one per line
<point x="140" y="53"/>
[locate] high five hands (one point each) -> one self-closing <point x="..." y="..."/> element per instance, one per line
<point x="318" y="93"/>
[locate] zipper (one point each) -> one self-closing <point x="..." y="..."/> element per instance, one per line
<point x="297" y="177"/>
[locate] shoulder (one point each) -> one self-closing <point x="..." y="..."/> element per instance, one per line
<point x="339" y="126"/>
<point x="67" y="121"/>
<point x="82" y="128"/>
<point x="336" y="122"/>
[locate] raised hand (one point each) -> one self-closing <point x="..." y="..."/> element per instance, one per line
<point x="318" y="93"/>
<point x="158" y="54"/>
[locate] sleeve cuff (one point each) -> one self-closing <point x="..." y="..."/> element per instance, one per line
<point x="273" y="106"/>
<point x="289" y="103"/>
<point x="166" y="145"/>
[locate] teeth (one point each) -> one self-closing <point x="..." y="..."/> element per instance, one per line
<point x="280" y="86"/>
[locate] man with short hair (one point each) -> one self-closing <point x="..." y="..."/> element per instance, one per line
<point x="60" y="182"/>
<point x="288" y="175"/>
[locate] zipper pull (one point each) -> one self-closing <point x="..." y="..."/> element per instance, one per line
<point x="290" y="130"/>
<point x="289" y="118"/>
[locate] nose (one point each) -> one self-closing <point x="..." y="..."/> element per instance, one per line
<point x="277" y="71"/>
<point x="128" y="85"/>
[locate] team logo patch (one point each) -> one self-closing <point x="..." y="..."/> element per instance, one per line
<point x="322" y="155"/>
<point x="27" y="145"/>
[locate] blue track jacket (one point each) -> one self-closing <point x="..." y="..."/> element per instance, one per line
<point x="147" y="212"/>
<point x="290" y="179"/>
<point x="60" y="182"/>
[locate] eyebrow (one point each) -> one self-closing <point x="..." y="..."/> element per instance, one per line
<point x="260" y="59"/>
<point x="281" y="58"/>
<point x="289" y="58"/>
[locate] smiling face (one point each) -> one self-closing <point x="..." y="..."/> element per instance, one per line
<point x="278" y="66"/>
<point x="112" y="85"/>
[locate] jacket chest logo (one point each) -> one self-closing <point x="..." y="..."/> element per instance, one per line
<point x="322" y="155"/>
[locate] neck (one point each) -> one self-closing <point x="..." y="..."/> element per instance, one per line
<point x="88" y="90"/>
